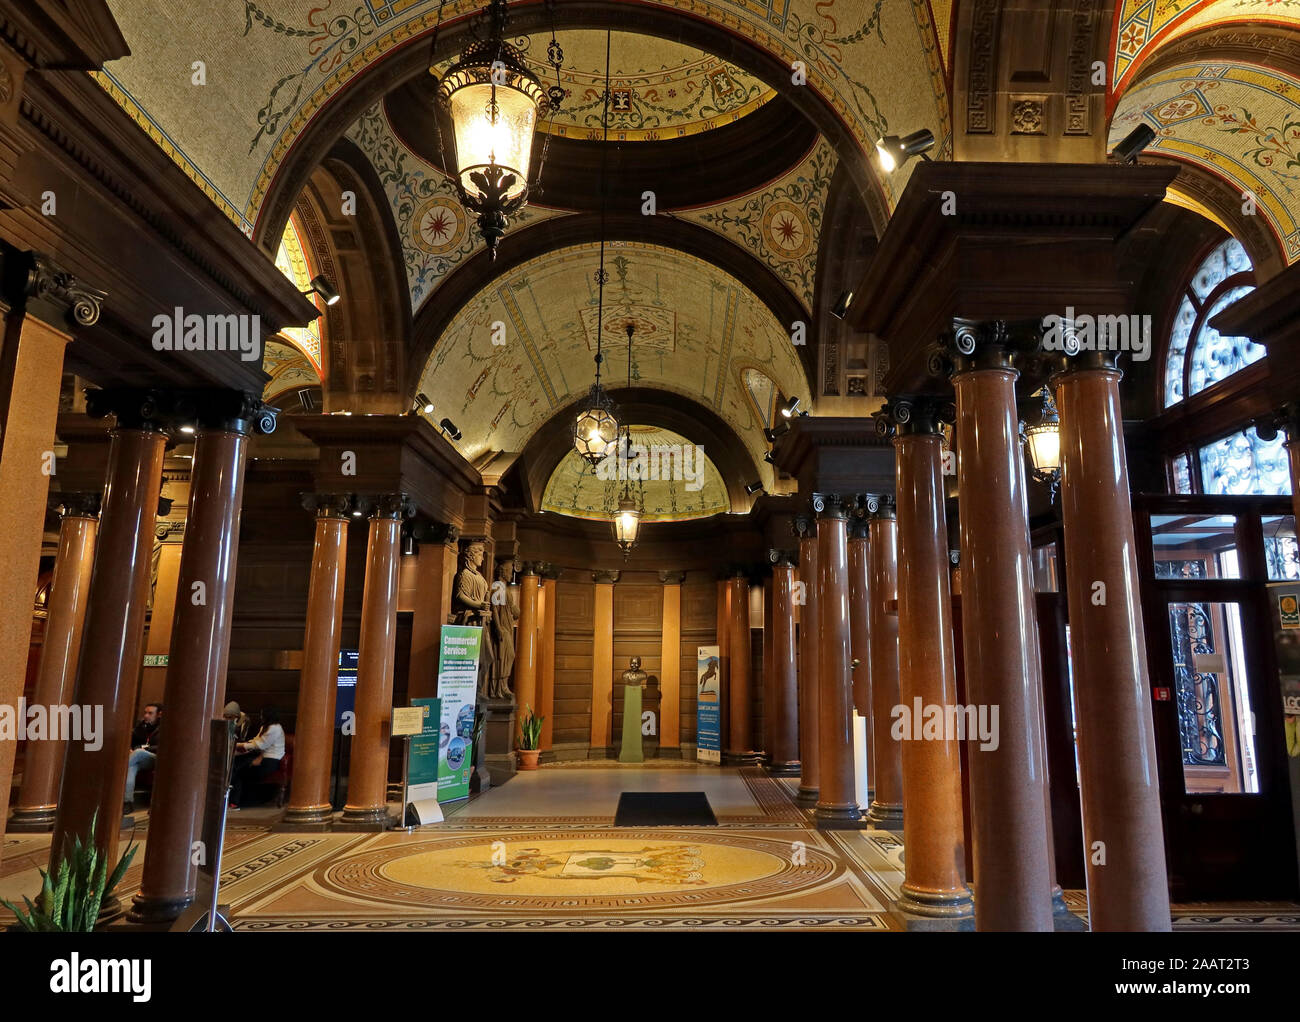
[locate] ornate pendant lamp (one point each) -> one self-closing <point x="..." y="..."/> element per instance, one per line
<point x="1043" y="441"/>
<point x="494" y="101"/>
<point x="595" y="431"/>
<point x="627" y="519"/>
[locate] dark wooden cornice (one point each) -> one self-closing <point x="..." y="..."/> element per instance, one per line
<point x="1270" y="315"/>
<point x="1022" y="241"/>
<point x="64" y="34"/>
<point x="840" y="454"/>
<point x="395" y="453"/>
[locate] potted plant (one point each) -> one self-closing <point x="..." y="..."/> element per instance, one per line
<point x="530" y="737"/>
<point x="69" y="902"/>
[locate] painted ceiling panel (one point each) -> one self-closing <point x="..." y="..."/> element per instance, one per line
<point x="575" y="489"/>
<point x="271" y="66"/>
<point x="1237" y="121"/>
<point x="698" y="330"/>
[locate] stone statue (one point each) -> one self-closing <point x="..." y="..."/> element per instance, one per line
<point x="471" y="605"/>
<point x="634" y="675"/>
<point x="505" y="616"/>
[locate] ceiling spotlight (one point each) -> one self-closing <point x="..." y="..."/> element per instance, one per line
<point x="408" y="545"/>
<point x="790" y="408"/>
<point x="187" y="430"/>
<point x="893" y="151"/>
<point x="754" y="487"/>
<point x="423" y="404"/>
<point x="779" y="430"/>
<point x="841" y="307"/>
<point x="769" y="459"/>
<point x="319" y="285"/>
<point x="1134" y="142"/>
<point x="450" y="429"/>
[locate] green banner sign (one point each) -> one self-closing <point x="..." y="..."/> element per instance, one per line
<point x="458" y="657"/>
<point x="422" y="753"/>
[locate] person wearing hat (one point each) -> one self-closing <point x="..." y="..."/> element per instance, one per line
<point x="243" y="726"/>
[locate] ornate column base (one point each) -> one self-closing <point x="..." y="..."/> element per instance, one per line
<point x="364" y="820"/>
<point x="806" y="798"/>
<point x="958" y="904"/>
<point x="310" y="818"/>
<point x="156" y="910"/>
<point x="838" y="817"/>
<point x="885" y="817"/>
<point x="37" y="820"/>
<point x="790" y="768"/>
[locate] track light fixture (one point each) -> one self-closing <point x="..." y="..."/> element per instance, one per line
<point x="755" y="487"/>
<point x="776" y="432"/>
<point x="841" y="307"/>
<point x="1133" y="143"/>
<point x="321" y="286"/>
<point x="769" y="459"/>
<point x="450" y="429"/>
<point x="893" y="151"/>
<point x="790" y="407"/>
<point x="423" y="404"/>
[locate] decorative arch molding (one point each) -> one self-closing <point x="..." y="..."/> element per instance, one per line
<point x="651" y="407"/>
<point x="1249" y="42"/>
<point x="359" y="254"/>
<point x="412" y="56"/>
<point x="476" y="273"/>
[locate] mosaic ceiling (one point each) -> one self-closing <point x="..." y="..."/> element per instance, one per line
<point x="1237" y="121"/>
<point x="575" y="489"/>
<point x="269" y="67"/>
<point x="1143" y="26"/>
<point x="698" y="330"/>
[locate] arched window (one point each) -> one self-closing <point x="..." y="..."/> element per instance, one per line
<point x="1199" y="356"/>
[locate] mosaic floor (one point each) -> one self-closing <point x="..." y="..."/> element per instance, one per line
<point x="542" y="852"/>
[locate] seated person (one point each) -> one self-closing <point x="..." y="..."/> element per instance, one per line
<point x="144" y="750"/>
<point x="243" y="726"/>
<point x="259" y="757"/>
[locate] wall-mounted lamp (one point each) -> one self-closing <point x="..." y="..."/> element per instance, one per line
<point x="423" y="404"/>
<point x="1133" y="143"/>
<point x="893" y="151"/>
<point x="790" y="407"/>
<point x="777" y="431"/>
<point x="769" y="459"/>
<point x="841" y="307"/>
<point x="319" y="285"/>
<point x="755" y="487"/>
<point x="450" y="429"/>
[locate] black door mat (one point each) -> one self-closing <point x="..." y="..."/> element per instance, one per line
<point x="664" y="809"/>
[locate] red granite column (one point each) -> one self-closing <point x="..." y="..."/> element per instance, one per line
<point x="886" y="810"/>
<point x="525" y="680"/>
<point x="94" y="780"/>
<point x="932" y="828"/>
<point x="740" y="742"/>
<point x="367" y="804"/>
<point x="836" y="796"/>
<point x="860" y="630"/>
<point x="56" y="674"/>
<point x="809" y="658"/>
<point x="783" y="711"/>
<point x="200" y="649"/>
<point x="309" y="797"/>
<point x="1118" y="779"/>
<point x="1007" y="760"/>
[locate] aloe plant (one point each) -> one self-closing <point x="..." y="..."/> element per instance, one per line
<point x="530" y="729"/>
<point x="69" y="902"/>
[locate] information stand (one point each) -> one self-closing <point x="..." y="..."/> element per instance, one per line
<point x="205" y="915"/>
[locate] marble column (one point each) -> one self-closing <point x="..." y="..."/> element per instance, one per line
<point x="809" y="658"/>
<point x="1003" y="672"/>
<point x="860" y="627"/>
<point x="546" y="655"/>
<point x="1118" y="779"/>
<point x="670" y="670"/>
<point x="783" y="710"/>
<point x="200" y="648"/>
<point x="886" y="810"/>
<point x="309" y="796"/>
<point x="56" y="673"/>
<point x="740" y="742"/>
<point x="94" y="780"/>
<point x="526" y="644"/>
<point x="836" y="795"/>
<point x="367" y="803"/>
<point x="768" y="680"/>
<point x="932" y="826"/>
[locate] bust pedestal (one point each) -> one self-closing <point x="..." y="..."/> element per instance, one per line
<point x="630" y="749"/>
<point x="499" y="739"/>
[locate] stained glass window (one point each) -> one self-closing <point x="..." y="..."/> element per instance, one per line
<point x="1243" y="463"/>
<point x="1199" y="356"/>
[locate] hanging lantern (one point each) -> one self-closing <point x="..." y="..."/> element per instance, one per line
<point x="595" y="431"/>
<point x="494" y="101"/>
<point x="627" y="523"/>
<point x="1043" y="441"/>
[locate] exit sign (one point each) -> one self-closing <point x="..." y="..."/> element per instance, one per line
<point x="155" y="659"/>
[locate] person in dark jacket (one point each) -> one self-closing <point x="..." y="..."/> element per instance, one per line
<point x="144" y="750"/>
